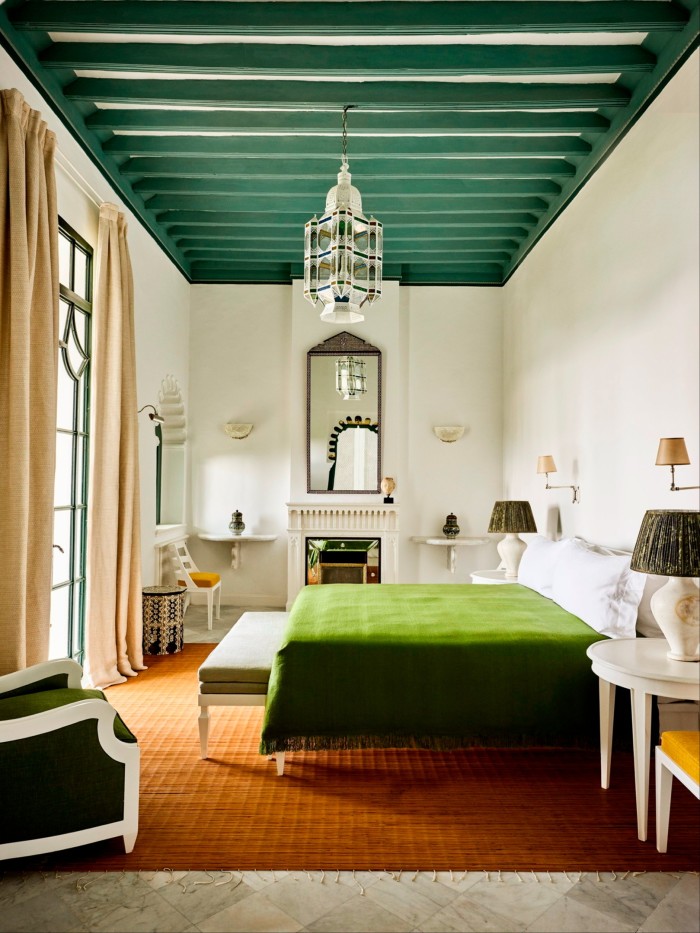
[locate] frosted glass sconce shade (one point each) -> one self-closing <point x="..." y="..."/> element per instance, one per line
<point x="669" y="544"/>
<point x="449" y="433"/>
<point x="238" y="431"/>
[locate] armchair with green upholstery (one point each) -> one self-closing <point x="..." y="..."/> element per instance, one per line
<point x="69" y="767"/>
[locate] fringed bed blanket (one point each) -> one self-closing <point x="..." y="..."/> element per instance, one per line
<point x="430" y="666"/>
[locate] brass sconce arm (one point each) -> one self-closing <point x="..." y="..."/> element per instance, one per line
<point x="576" y="489"/>
<point x="675" y="488"/>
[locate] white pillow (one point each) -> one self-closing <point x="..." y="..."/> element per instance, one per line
<point x="646" y="623"/>
<point x="600" y="589"/>
<point x="536" y="569"/>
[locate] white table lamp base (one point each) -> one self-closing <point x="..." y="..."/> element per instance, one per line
<point x="511" y="550"/>
<point x="676" y="608"/>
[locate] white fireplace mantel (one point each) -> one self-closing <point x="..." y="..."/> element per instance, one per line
<point x="340" y="520"/>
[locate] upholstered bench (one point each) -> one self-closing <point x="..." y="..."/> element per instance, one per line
<point x="237" y="671"/>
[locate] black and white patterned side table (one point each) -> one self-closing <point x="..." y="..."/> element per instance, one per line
<point x="162" y="619"/>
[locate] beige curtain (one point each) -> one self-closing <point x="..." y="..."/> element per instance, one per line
<point x="113" y="622"/>
<point x="28" y="375"/>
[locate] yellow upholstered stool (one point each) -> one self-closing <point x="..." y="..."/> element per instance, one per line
<point x="679" y="756"/>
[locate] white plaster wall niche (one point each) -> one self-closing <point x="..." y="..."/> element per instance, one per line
<point x="173" y="484"/>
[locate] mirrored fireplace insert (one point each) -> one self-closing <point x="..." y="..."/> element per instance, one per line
<point x="343" y="560"/>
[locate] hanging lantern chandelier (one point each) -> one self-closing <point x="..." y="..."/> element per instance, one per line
<point x="343" y="252"/>
<point x="350" y="378"/>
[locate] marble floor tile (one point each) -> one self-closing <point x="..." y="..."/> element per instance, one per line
<point x="45" y="912"/>
<point x="359" y="914"/>
<point x="197" y="895"/>
<point x="678" y="910"/>
<point x="307" y="901"/>
<point x="254" y="914"/>
<point x="519" y="902"/>
<point x="626" y="901"/>
<point x="465" y="916"/>
<point x="111" y="902"/>
<point x="568" y="915"/>
<point x="407" y="900"/>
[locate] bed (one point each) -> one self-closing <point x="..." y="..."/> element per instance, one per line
<point x="440" y="666"/>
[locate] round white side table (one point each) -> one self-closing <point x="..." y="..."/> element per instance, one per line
<point x="491" y="576"/>
<point x="641" y="665"/>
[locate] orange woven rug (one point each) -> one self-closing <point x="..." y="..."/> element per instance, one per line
<point x="386" y="809"/>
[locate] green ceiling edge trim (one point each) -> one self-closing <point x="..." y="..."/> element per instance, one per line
<point x="672" y="57"/>
<point x="359" y="18"/>
<point x="24" y="56"/>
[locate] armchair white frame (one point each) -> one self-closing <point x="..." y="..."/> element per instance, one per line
<point x="184" y="567"/>
<point x="58" y="718"/>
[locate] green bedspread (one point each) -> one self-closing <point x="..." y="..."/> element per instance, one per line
<point x="430" y="666"/>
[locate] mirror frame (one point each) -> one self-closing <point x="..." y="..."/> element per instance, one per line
<point x="340" y="344"/>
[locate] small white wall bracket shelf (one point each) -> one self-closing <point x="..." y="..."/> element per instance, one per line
<point x="235" y="542"/>
<point x="451" y="544"/>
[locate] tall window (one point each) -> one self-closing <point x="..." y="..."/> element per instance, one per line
<point x="72" y="438"/>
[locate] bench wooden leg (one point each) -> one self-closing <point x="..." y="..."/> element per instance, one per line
<point x="279" y="758"/>
<point x="203" y="730"/>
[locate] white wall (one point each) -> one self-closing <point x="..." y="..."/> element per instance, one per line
<point x="240" y="364"/>
<point x="441" y="359"/>
<point x="161" y="294"/>
<point x="601" y="334"/>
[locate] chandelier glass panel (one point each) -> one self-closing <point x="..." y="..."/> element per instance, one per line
<point x="350" y="378"/>
<point x="343" y="252"/>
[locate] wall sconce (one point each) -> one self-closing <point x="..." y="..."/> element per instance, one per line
<point x="449" y="434"/>
<point x="153" y="415"/>
<point x="238" y="431"/>
<point x="546" y="465"/>
<point x="673" y="452"/>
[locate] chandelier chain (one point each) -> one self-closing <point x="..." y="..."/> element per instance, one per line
<point x="345" y="132"/>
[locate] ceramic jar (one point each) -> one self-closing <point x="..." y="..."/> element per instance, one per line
<point x="236" y="526"/>
<point x="450" y="529"/>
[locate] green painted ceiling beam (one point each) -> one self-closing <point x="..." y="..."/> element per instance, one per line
<point x="207" y="217"/>
<point x="397" y="61"/>
<point x="190" y="236"/>
<point x="261" y="147"/>
<point x="402" y="123"/>
<point x="396" y="250"/>
<point x="289" y="203"/>
<point x="392" y="17"/>
<point x="314" y="191"/>
<point x="294" y="170"/>
<point x="330" y="95"/>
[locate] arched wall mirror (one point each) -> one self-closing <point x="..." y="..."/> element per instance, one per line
<point x="343" y="416"/>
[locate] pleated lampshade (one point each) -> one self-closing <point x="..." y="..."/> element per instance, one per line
<point x="512" y="517"/>
<point x="668" y="543"/>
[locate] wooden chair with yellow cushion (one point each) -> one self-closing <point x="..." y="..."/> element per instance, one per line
<point x="197" y="581"/>
<point x="677" y="756"/>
